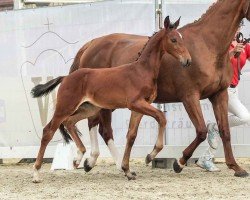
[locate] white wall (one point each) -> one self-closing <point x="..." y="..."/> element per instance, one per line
<point x="38" y="44"/>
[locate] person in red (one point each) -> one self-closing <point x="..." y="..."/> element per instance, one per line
<point x="238" y="113"/>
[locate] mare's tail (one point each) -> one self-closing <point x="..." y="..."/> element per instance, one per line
<point x="44" y="89"/>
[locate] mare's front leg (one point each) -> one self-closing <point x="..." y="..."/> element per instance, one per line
<point x="220" y="106"/>
<point x="193" y="108"/>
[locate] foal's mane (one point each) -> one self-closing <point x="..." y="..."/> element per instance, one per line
<point x="208" y="11"/>
<point x="139" y="53"/>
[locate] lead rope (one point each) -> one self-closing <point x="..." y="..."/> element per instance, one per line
<point x="247" y="9"/>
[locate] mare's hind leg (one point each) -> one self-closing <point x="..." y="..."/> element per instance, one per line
<point x="193" y="108"/>
<point x="84" y="111"/>
<point x="106" y="132"/>
<point x="220" y="105"/>
<point x="103" y="118"/>
<point x="145" y="108"/>
<point x="48" y="133"/>
<point x="89" y="163"/>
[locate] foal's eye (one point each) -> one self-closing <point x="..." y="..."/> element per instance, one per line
<point x="173" y="40"/>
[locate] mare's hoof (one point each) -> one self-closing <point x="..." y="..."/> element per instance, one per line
<point x="241" y="174"/>
<point x="177" y="168"/>
<point x="86" y="165"/>
<point x="148" y="159"/>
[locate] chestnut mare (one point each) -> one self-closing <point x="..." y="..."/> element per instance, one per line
<point x="132" y="86"/>
<point x="208" y="41"/>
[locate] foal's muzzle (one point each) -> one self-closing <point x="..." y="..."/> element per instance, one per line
<point x="186" y="62"/>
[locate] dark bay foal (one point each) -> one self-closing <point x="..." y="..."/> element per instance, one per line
<point x="84" y="92"/>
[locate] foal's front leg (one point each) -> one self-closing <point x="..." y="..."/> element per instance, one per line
<point x="48" y="133"/>
<point x="220" y="106"/>
<point x="158" y="146"/>
<point x="131" y="136"/>
<point x="142" y="107"/>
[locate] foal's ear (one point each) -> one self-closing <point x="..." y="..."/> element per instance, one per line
<point x="167" y="23"/>
<point x="177" y="23"/>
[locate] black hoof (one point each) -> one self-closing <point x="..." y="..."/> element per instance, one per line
<point x="75" y="165"/>
<point x="241" y="174"/>
<point x="87" y="168"/>
<point x="177" y="168"/>
<point x="133" y="173"/>
<point x="131" y="177"/>
<point x="148" y="159"/>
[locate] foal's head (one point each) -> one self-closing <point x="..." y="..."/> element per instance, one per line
<point x="173" y="43"/>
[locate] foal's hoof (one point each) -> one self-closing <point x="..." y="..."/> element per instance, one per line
<point x="241" y="174"/>
<point x="148" y="159"/>
<point x="133" y="173"/>
<point x="86" y="165"/>
<point x="35" y="180"/>
<point x="75" y="164"/>
<point x="177" y="168"/>
<point x="131" y="176"/>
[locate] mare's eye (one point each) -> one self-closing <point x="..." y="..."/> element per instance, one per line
<point x="173" y="40"/>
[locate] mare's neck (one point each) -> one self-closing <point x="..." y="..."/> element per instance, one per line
<point x="150" y="58"/>
<point x="219" y="25"/>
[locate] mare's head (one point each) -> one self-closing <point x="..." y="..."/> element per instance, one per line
<point x="173" y="43"/>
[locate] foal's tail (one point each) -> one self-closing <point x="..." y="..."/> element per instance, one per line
<point x="65" y="133"/>
<point x="44" y="89"/>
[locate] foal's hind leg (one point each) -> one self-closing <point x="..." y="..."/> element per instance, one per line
<point x="72" y="129"/>
<point x="84" y="111"/>
<point x="144" y="108"/>
<point x="48" y="133"/>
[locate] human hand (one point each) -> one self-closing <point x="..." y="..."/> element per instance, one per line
<point x="238" y="48"/>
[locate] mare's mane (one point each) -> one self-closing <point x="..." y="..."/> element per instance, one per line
<point x="208" y="11"/>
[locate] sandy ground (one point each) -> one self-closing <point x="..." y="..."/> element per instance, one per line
<point x="106" y="182"/>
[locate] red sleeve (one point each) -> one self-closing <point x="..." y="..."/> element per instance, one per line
<point x="247" y="50"/>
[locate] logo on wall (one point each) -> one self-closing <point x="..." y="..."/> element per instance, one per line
<point x="48" y="56"/>
<point x="2" y="111"/>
